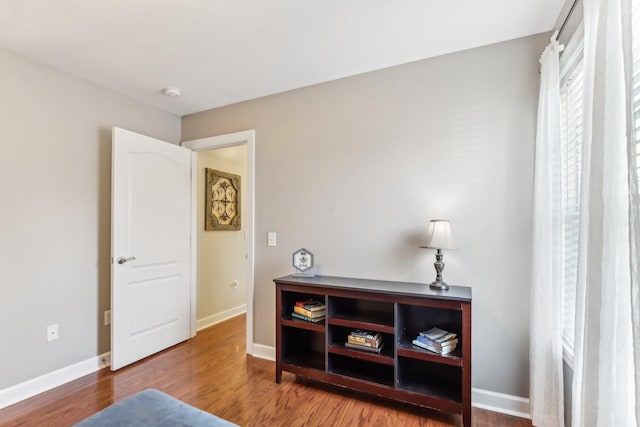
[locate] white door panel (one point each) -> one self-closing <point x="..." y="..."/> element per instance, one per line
<point x="151" y="294"/>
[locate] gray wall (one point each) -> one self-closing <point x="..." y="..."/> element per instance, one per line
<point x="55" y="212"/>
<point x="354" y="169"/>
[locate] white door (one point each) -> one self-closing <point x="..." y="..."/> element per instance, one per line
<point x="150" y="246"/>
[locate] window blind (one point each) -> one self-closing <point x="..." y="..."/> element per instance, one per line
<point x="571" y="90"/>
<point x="635" y="36"/>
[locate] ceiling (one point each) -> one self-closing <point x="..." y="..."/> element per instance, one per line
<point x="218" y="52"/>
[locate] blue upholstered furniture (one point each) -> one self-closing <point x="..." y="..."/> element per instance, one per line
<point x="152" y="408"/>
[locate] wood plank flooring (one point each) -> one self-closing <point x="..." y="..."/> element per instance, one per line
<point x="213" y="373"/>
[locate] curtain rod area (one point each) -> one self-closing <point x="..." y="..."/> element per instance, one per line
<point x="566" y="19"/>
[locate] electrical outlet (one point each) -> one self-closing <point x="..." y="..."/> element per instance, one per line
<point x="107" y="317"/>
<point x="105" y="360"/>
<point x="52" y="332"/>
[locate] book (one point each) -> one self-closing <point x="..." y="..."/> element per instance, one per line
<point x="311" y="305"/>
<point x="445" y="350"/>
<point x="358" y="333"/>
<point x="437" y="345"/>
<point x="366" y="338"/>
<point x="364" y="342"/>
<point x="364" y="347"/>
<point x="308" y="313"/>
<point x="306" y="318"/>
<point x="438" y="335"/>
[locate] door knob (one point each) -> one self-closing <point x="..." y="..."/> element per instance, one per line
<point x="122" y="260"/>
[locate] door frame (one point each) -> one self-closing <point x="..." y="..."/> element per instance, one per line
<point x="209" y="143"/>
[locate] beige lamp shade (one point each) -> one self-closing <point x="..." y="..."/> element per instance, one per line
<point x="439" y="235"/>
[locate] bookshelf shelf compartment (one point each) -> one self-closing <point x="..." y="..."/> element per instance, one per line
<point x="408" y="350"/>
<point x="362" y="314"/>
<point x="361" y="369"/>
<point x="301" y="324"/>
<point x="309" y="360"/>
<point x="385" y="357"/>
<point x="430" y="378"/>
<point x="358" y="323"/>
<point x="398" y="311"/>
<point x="338" y="335"/>
<point x="303" y="347"/>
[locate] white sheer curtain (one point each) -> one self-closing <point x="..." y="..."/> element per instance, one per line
<point x="545" y="358"/>
<point x="604" y="391"/>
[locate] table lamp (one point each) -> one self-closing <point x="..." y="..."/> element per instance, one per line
<point x="439" y="237"/>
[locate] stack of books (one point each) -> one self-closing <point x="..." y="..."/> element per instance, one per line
<point x="363" y="340"/>
<point x="437" y="340"/>
<point x="309" y="311"/>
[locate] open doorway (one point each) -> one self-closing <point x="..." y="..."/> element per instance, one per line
<point x="222" y="257"/>
<point x="222" y="272"/>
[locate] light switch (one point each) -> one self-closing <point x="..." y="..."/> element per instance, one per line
<point x="271" y="238"/>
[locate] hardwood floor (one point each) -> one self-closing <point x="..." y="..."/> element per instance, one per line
<point x="213" y="373"/>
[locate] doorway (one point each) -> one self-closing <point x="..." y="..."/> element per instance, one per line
<point x="244" y="142"/>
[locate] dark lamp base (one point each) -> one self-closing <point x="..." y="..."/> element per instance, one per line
<point x="439" y="286"/>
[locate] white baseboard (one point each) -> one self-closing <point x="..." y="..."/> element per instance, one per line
<point x="266" y="352"/>
<point x="499" y="402"/>
<point x="220" y="317"/>
<point x="18" y="392"/>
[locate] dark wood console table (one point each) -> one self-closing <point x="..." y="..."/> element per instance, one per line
<point x="398" y="311"/>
